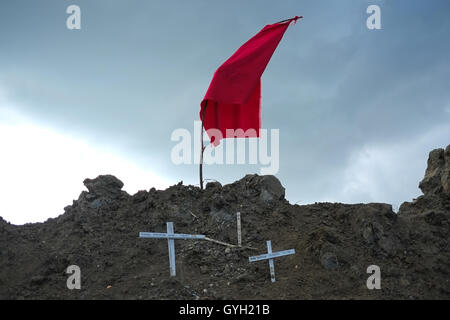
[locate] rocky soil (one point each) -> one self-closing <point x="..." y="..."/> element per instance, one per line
<point x="334" y="243"/>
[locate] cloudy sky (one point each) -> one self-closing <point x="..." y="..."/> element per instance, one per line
<point x="358" y="110"/>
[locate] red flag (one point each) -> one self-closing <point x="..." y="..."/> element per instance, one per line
<point x="233" y="99"/>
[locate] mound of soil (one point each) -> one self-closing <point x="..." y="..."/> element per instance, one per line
<point x="335" y="244"/>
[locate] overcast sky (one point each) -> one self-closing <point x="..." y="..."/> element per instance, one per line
<point x="358" y="110"/>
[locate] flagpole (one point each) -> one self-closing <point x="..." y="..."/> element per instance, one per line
<point x="295" y="18"/>
<point x="203" y="148"/>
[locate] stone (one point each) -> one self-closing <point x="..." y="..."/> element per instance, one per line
<point x="213" y="185"/>
<point x="104" y="186"/>
<point x="268" y="187"/>
<point x="38" y="280"/>
<point x="97" y="203"/>
<point x="329" y="261"/>
<point x="140" y="196"/>
<point x="265" y="195"/>
<point x="372" y="232"/>
<point x="388" y="244"/>
<point x="445" y="178"/>
<point x="437" y="175"/>
<point x="271" y="188"/>
<point x="221" y="215"/>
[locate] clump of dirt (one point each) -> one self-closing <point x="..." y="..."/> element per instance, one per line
<point x="335" y="244"/>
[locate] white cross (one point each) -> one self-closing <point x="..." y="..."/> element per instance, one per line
<point x="239" y="233"/>
<point x="171" y="236"/>
<point x="270" y="255"/>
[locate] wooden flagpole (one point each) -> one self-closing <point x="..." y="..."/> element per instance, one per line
<point x="203" y="148"/>
<point x="295" y="18"/>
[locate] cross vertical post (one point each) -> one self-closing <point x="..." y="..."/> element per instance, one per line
<point x="171" y="243"/>
<point x="271" y="264"/>
<point x="171" y="237"/>
<point x="270" y="255"/>
<point x="239" y="234"/>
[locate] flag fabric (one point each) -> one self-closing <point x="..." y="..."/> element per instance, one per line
<point x="233" y="99"/>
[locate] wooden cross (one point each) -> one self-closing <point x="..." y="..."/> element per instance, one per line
<point x="171" y="237"/>
<point x="270" y="255"/>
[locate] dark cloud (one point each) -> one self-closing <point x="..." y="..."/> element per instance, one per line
<point x="137" y="70"/>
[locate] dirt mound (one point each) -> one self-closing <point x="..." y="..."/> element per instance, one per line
<point x="334" y="243"/>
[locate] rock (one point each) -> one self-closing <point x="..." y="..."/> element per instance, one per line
<point x="268" y="187"/>
<point x="329" y="261"/>
<point x="355" y="270"/>
<point x="38" y="280"/>
<point x="389" y="245"/>
<point x="372" y="232"/>
<point x="437" y="175"/>
<point x="404" y="282"/>
<point x="104" y="186"/>
<point x="221" y="215"/>
<point x="3" y="223"/>
<point x="266" y="196"/>
<point x="204" y="269"/>
<point x="445" y="178"/>
<point x="435" y="218"/>
<point x="271" y="188"/>
<point x="140" y="196"/>
<point x="213" y="185"/>
<point x="97" y="203"/>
